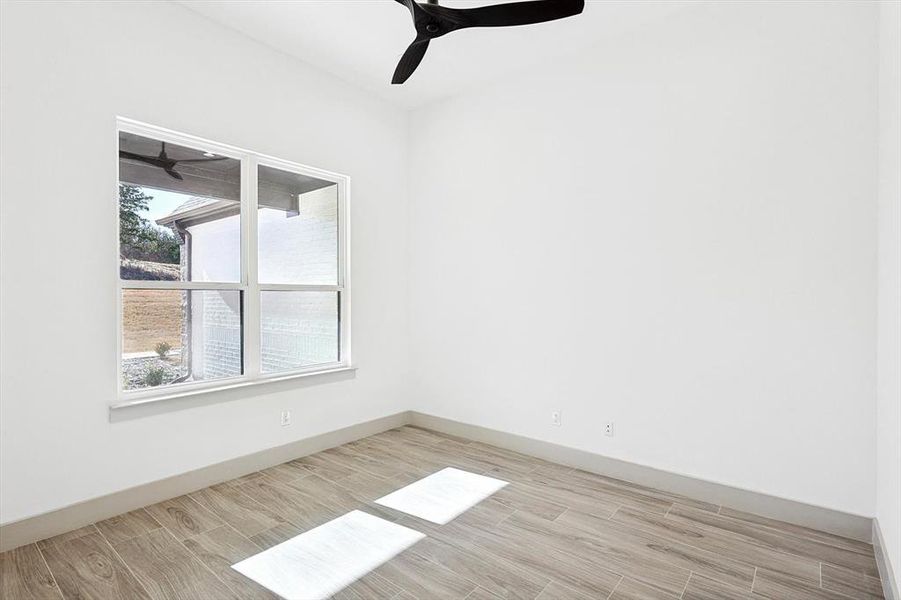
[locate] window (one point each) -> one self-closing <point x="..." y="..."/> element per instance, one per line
<point x="232" y="266"/>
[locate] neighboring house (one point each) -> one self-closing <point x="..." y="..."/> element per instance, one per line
<point x="297" y="241"/>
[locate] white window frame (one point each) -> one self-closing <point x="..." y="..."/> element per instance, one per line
<point x="248" y="285"/>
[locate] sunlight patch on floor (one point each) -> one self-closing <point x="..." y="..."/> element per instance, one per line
<point x="442" y="496"/>
<point x="324" y="560"/>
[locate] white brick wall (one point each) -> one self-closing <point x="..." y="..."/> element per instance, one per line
<point x="297" y="328"/>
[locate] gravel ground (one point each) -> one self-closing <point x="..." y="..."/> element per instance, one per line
<point x="134" y="370"/>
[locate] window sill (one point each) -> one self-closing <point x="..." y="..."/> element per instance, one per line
<point x="126" y="402"/>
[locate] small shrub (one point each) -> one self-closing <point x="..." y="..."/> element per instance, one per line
<point x="163" y="349"/>
<point x="154" y="376"/>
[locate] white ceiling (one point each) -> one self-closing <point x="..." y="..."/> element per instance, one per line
<point x="362" y="40"/>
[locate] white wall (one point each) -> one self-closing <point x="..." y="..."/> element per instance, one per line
<point x="675" y="232"/>
<point x="682" y="241"/>
<point x="67" y="70"/>
<point x="888" y="473"/>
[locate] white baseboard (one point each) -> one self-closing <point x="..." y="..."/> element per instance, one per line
<point x="886" y="573"/>
<point x="808" y="515"/>
<point x="39" y="527"/>
<point x="32" y="529"/>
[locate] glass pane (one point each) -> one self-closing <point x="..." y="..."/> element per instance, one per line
<point x="176" y="336"/>
<point x="179" y="212"/>
<point x="298" y="228"/>
<point x="298" y="329"/>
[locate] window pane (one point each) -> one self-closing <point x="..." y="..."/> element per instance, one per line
<point x="298" y="228"/>
<point x="179" y="212"/>
<point x="176" y="336"/>
<point x="298" y="329"/>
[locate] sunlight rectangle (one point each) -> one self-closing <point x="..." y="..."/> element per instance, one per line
<point x="442" y="496"/>
<point x="324" y="560"/>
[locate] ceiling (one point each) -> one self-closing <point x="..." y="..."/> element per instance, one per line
<point x="362" y="40"/>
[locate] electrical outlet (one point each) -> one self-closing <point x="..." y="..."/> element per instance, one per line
<point x="286" y="418"/>
<point x="608" y="429"/>
<point x="556" y="418"/>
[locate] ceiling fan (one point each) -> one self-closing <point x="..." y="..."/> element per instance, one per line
<point x="165" y="163"/>
<point x="432" y="21"/>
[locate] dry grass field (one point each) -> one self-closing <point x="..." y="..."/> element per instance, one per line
<point x="150" y="317"/>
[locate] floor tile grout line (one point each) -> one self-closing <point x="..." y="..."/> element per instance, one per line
<point x="613" y="591"/>
<point x="233" y="480"/>
<point x="202" y="507"/>
<point x="59" y="590"/>
<point x="544" y="587"/>
<point x="170" y="532"/>
<point x="687" y="581"/>
<point x="401" y="589"/>
<point x="252" y="499"/>
<point x="427" y="559"/>
<point x="207" y="567"/>
<point x="844" y="595"/>
<point x="506" y="517"/>
<point x="686" y="543"/>
<point x="257" y="502"/>
<point x="752" y="541"/>
<point x="364" y="470"/>
<point x="300" y="478"/>
<point x="700" y="548"/>
<point x="626" y="486"/>
<point x="765" y="528"/>
<point x="469" y="545"/>
<point x="125" y="562"/>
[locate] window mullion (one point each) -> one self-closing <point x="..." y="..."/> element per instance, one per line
<point x="250" y="270"/>
<point x="137" y="284"/>
<point x="298" y="287"/>
<point x="344" y="271"/>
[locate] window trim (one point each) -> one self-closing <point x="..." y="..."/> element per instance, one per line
<point x="248" y="284"/>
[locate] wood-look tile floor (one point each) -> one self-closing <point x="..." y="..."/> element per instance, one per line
<point x="554" y="533"/>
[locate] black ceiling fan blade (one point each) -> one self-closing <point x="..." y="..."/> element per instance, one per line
<point x="513" y="13"/>
<point x="409" y="61"/>
<point x="155" y="161"/>
<point x="139" y="157"/>
<point x="411" y="5"/>
<point x="202" y="160"/>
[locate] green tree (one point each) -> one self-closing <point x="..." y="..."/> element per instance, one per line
<point x="132" y="200"/>
<point x="139" y="239"/>
<point x="157" y="245"/>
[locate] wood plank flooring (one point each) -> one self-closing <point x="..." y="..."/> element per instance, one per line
<point x="554" y="533"/>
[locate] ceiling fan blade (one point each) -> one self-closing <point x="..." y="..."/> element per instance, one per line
<point x="138" y="157"/>
<point x="411" y="5"/>
<point x="410" y="60"/>
<point x="202" y="160"/>
<point x="174" y="174"/>
<point x="513" y="13"/>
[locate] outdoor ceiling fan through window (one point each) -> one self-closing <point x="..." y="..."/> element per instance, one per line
<point x="432" y="21"/>
<point x="162" y="160"/>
